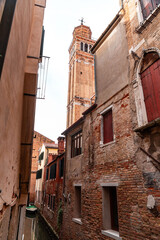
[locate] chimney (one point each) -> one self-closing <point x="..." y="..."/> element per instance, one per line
<point x="60" y="145"/>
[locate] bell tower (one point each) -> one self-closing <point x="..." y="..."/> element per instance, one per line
<point x="81" y="86"/>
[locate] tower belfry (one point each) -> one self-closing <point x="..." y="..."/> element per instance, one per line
<point x="81" y="86"/>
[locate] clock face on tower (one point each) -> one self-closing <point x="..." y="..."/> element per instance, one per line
<point x="81" y="84"/>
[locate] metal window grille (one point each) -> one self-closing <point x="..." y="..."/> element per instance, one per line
<point x="42" y="77"/>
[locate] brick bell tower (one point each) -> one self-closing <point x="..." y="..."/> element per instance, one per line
<point x="81" y="85"/>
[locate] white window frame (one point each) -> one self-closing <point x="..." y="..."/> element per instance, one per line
<point x="138" y="91"/>
<point x="140" y="14"/>
<point x="102" y="144"/>
<point x="109" y="232"/>
<point x="78" y="220"/>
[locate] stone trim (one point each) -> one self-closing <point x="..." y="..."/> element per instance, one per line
<point x="77" y="220"/>
<point x="112" y="234"/>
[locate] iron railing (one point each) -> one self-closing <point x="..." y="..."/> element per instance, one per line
<point x="42" y="77"/>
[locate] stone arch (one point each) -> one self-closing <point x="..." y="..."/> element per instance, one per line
<point x="138" y="89"/>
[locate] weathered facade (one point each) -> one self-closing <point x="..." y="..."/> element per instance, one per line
<point x="38" y="140"/>
<point x="81" y="83"/>
<point x="49" y="187"/>
<point x="112" y="153"/>
<point x="45" y="150"/>
<point x="21" y="33"/>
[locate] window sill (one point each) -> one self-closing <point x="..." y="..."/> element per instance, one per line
<point x="148" y="20"/>
<point x="154" y="123"/>
<point x="77" y="156"/>
<point x="77" y="220"/>
<point x="106" y="144"/>
<point x="112" y="234"/>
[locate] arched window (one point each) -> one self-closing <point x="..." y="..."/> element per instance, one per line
<point x="86" y="47"/>
<point x="150" y="79"/>
<point x="81" y="46"/>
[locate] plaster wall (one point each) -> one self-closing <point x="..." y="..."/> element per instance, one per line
<point x="11" y="98"/>
<point x="112" y="64"/>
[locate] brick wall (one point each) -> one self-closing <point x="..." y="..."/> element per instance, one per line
<point x="122" y="162"/>
<point x="38" y="140"/>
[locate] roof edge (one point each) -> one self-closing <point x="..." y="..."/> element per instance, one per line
<point x="103" y="36"/>
<point x="74" y="125"/>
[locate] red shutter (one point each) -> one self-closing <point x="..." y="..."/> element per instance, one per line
<point x="155" y="70"/>
<point x="107" y="127"/>
<point x="151" y="89"/>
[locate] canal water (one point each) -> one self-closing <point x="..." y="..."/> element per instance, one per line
<point x="37" y="229"/>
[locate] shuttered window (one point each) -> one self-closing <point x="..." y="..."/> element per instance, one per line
<point x="53" y="171"/>
<point x="151" y="89"/>
<point x="107" y="127"/>
<point x="39" y="174"/>
<point x="148" y="6"/>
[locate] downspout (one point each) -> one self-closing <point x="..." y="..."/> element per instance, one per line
<point x="121" y="4"/>
<point x="95" y="82"/>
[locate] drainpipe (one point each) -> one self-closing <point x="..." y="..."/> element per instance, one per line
<point x="121" y="4"/>
<point x="95" y="78"/>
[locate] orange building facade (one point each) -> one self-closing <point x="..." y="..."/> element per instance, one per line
<point x="81" y="88"/>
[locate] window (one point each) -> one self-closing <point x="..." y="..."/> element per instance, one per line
<point x="78" y="201"/>
<point x="47" y="171"/>
<point x="148" y="6"/>
<point x="76" y="144"/>
<point x="86" y="47"/>
<point x="110" y="210"/>
<point x="61" y="167"/>
<point x="81" y="46"/>
<point x="49" y="198"/>
<point x="52" y="204"/>
<point x="39" y="174"/>
<point x="150" y="78"/>
<point x="7" y="8"/>
<point x="41" y="156"/>
<point x="107" y="126"/>
<point x="53" y="171"/>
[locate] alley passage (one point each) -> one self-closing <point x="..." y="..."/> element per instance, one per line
<point x="36" y="229"/>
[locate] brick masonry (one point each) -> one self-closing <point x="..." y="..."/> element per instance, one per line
<point x="128" y="161"/>
<point x="38" y="140"/>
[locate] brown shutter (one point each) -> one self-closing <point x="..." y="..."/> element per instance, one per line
<point x="107" y="127"/>
<point x="151" y="89"/>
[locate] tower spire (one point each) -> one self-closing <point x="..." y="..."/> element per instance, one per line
<point x="82" y="20"/>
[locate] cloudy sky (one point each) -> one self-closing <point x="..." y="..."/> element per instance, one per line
<point x="60" y="19"/>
